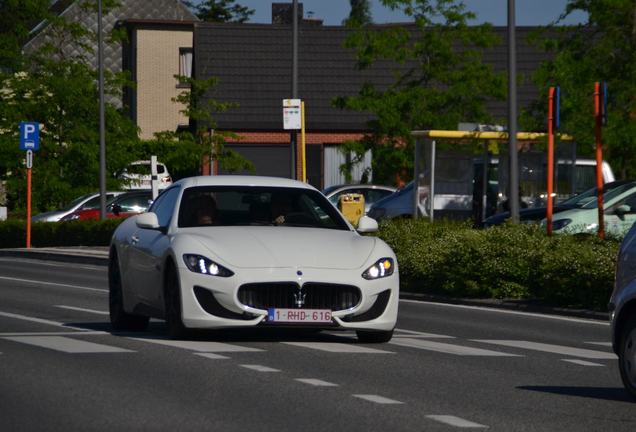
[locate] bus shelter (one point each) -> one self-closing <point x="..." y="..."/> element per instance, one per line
<point x="463" y="181"/>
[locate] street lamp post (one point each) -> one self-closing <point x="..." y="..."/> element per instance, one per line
<point x="102" y="119"/>
<point x="294" y="135"/>
<point x="513" y="172"/>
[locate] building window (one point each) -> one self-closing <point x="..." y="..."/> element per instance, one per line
<point x="185" y="64"/>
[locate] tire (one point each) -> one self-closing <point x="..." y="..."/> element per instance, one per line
<point x="369" y="336"/>
<point x="120" y="320"/>
<point x="627" y="356"/>
<point x="172" y="297"/>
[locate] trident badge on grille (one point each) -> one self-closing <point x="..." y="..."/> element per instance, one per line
<point x="299" y="298"/>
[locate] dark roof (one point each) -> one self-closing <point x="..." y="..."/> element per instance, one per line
<point x="253" y="64"/>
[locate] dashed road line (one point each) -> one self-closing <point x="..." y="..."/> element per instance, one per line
<point x="31" y="281"/>
<point x="335" y="347"/>
<point x="413" y="333"/>
<point x="67" y="345"/>
<point x="456" y="422"/>
<point x="212" y="356"/>
<point x="448" y="348"/>
<point x="582" y="362"/>
<point x="316" y="382"/>
<point x="38" y="320"/>
<point x="259" y="368"/>
<point x="200" y="346"/>
<point x="74" y="308"/>
<point x="377" y="399"/>
<point x="555" y="349"/>
<point x="605" y="344"/>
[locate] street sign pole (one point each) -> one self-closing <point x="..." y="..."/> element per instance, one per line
<point x="29" y="165"/>
<point x="513" y="192"/>
<point x="29" y="142"/>
<point x="598" y="124"/>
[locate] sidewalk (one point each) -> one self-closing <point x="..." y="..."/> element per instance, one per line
<point x="99" y="256"/>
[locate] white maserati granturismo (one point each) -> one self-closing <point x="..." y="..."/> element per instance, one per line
<point x="241" y="251"/>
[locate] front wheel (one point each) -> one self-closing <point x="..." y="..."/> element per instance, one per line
<point x="627" y="356"/>
<point x="370" y="336"/>
<point x="120" y="320"/>
<point x="174" y="322"/>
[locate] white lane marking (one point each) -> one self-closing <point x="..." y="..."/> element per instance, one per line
<point x="456" y="421"/>
<point x="200" y="346"/>
<point x="511" y="312"/>
<point x="413" y="333"/>
<point x="53" y="264"/>
<point x="338" y="347"/>
<point x="260" y="368"/>
<point x="67" y="333"/>
<point x="38" y="320"/>
<point x="93" y="311"/>
<point x="582" y="362"/>
<point x="212" y="356"/>
<point x="377" y="399"/>
<point x="448" y="348"/>
<point x="67" y="345"/>
<point x="556" y="349"/>
<point x="31" y="281"/>
<point x="605" y="344"/>
<point x="316" y="382"/>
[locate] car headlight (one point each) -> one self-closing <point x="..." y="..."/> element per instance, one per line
<point x="382" y="268"/>
<point x="203" y="265"/>
<point x="560" y="223"/>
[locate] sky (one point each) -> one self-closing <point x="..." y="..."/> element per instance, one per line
<point x="528" y="12"/>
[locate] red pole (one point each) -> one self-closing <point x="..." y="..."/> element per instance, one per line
<point x="550" y="158"/>
<point x="28" y="232"/>
<point x="599" y="159"/>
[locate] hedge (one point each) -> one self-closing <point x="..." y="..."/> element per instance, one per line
<point x="43" y="234"/>
<point x="505" y="262"/>
<point x="444" y="258"/>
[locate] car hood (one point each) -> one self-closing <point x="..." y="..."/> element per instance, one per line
<point x="267" y="247"/>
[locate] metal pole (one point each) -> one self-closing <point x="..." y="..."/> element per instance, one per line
<point x="102" y="119"/>
<point x="431" y="195"/>
<point x="416" y="177"/>
<point x="513" y="193"/>
<point x="550" y="179"/>
<point x="294" y="133"/>
<point x="598" y="122"/>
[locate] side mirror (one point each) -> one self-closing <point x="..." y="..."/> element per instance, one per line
<point x="148" y="221"/>
<point x="367" y="225"/>
<point x="621" y="210"/>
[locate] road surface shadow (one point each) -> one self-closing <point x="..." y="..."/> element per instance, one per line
<point x="604" y="393"/>
<point x="157" y="330"/>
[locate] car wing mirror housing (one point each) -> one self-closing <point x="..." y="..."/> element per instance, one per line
<point x="367" y="225"/>
<point x="622" y="210"/>
<point x="148" y="221"/>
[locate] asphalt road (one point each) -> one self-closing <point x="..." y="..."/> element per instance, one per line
<point x="447" y="368"/>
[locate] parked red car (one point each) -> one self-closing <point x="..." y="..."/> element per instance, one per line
<point x="122" y="206"/>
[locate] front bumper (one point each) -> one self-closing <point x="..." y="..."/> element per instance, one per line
<point x="233" y="313"/>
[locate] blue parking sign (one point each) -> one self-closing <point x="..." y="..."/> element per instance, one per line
<point x="29" y="136"/>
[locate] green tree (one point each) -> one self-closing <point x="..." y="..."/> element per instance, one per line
<point x="221" y="11"/>
<point x="60" y="92"/>
<point x="440" y="80"/>
<point x="17" y="19"/>
<point x="360" y="14"/>
<point x="601" y="49"/>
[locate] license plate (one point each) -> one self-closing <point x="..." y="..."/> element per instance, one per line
<point x="299" y="315"/>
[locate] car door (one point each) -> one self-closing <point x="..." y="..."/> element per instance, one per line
<point x="148" y="248"/>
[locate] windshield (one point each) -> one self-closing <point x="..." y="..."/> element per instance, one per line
<point x="260" y="206"/>
<point x="610" y="195"/>
<point x="76" y="202"/>
<point x="579" y="201"/>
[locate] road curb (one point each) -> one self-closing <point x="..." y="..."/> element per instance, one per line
<point x="48" y="255"/>
<point x="516" y="305"/>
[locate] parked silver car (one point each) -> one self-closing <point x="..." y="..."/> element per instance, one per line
<point x="85" y="202"/>
<point x="622" y="309"/>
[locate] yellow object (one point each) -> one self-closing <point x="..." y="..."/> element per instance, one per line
<point x="499" y="136"/>
<point x="352" y="207"/>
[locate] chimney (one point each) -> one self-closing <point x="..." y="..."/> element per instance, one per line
<point x="282" y="13"/>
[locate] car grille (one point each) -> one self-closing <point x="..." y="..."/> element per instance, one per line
<point x="281" y="295"/>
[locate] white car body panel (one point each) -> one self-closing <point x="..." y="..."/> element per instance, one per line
<point x="255" y="254"/>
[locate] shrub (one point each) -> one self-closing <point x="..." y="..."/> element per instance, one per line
<point x="512" y="262"/>
<point x="43" y="234"/>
